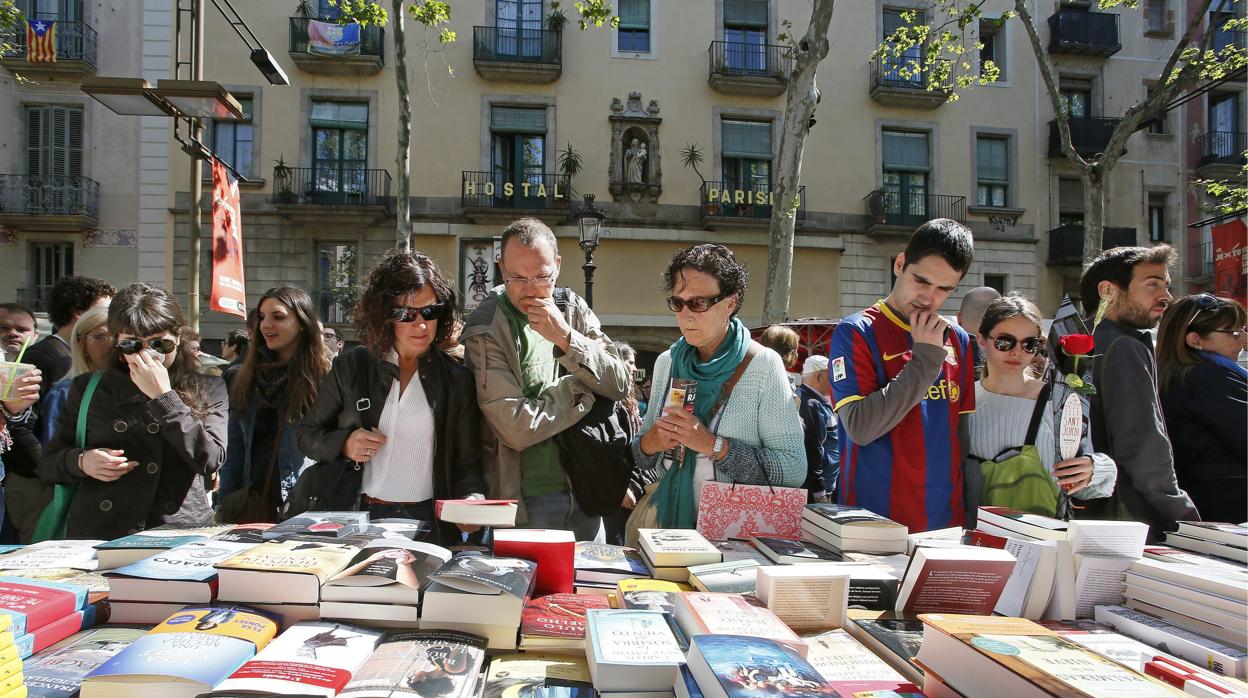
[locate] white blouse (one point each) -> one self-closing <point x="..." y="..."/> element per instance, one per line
<point x="402" y="469"/>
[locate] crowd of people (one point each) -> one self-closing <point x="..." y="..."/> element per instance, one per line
<point x="117" y="422"/>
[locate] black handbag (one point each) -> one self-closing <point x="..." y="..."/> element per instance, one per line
<point x="596" y="454"/>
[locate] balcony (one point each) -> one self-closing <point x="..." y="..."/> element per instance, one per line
<point x="365" y="58"/>
<point x="75" y="52"/>
<point x="896" y="83"/>
<point x="328" y="189"/>
<point x="1088" y="134"/>
<point x="49" y="202"/>
<point x="508" y="54"/>
<point x="488" y="195"/>
<point x="37" y="299"/>
<point x="1084" y="33"/>
<point x="1066" y="243"/>
<point x="760" y="70"/>
<point x="1221" y="154"/>
<point x="891" y="212"/>
<point x="724" y="205"/>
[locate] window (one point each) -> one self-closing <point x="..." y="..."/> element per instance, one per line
<point x="335" y="275"/>
<point x="1156" y="17"/>
<point x="1076" y="97"/>
<point x="745" y="149"/>
<point x="913" y="56"/>
<point x="1225" y="122"/>
<point x="339" y="151"/>
<point x="49" y="261"/>
<point x="53" y="160"/>
<point x="907" y="169"/>
<point x="633" y="34"/>
<point x="1158" y="125"/>
<point x="1157" y="217"/>
<point x="58" y="10"/>
<point x="1223" y="37"/>
<point x="518" y="151"/>
<point x="995" y="281"/>
<point x="328" y="10"/>
<point x="992" y="36"/>
<point x="745" y="35"/>
<point x="1070" y="202"/>
<point x="232" y="140"/>
<point x="520" y="27"/>
<point x="992" y="168"/>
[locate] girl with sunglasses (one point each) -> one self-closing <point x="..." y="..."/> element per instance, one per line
<point x="1011" y="405"/>
<point x="155" y="427"/>
<point x="1204" y="395"/>
<point x="269" y="392"/>
<point x="398" y="415"/>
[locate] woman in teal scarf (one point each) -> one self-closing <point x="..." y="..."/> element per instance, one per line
<point x="752" y="437"/>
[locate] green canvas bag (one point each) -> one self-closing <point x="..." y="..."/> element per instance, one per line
<point x="1016" y="478"/>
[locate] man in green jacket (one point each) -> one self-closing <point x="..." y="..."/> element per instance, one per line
<point x="537" y="368"/>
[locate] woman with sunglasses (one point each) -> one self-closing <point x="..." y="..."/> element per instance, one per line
<point x="89" y="348"/>
<point x="753" y="436"/>
<point x="269" y="393"/>
<point x="156" y="427"/>
<point x="398" y="407"/>
<point x="1204" y="394"/>
<point x="1006" y="402"/>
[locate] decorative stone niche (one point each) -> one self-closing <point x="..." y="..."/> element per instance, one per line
<point x="636" y="174"/>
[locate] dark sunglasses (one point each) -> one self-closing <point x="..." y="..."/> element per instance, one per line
<point x="164" y="345"/>
<point x="400" y="313"/>
<point x="697" y="305"/>
<point x="1031" y="345"/>
<point x="1203" y="302"/>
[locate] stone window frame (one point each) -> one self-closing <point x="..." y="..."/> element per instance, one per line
<point x="773" y="20"/>
<point x="314" y="274"/>
<point x="489" y="101"/>
<point x="256" y="175"/>
<point x="307" y="95"/>
<point x="1004" y="46"/>
<point x="1011" y="149"/>
<point x="35" y="101"/>
<point x="718" y="114"/>
<point x="931" y="128"/>
<point x="653" y="55"/>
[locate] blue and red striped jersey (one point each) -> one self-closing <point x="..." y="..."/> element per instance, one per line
<point x="912" y="474"/>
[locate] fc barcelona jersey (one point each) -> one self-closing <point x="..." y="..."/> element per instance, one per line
<point x="913" y="473"/>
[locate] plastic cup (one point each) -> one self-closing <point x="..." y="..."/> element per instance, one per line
<point x="10" y="371"/>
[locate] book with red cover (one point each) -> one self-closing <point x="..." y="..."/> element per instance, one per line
<point x="34" y="603"/>
<point x="553" y="550"/>
<point x="559" y="615"/>
<point x="49" y="634"/>
<point x="954" y="580"/>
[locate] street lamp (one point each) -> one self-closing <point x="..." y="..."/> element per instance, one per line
<point x="589" y="220"/>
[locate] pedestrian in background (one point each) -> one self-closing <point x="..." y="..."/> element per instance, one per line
<point x="819" y="430"/>
<point x="89" y="347"/>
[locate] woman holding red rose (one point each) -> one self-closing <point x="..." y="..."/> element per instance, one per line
<point x="1007" y="400"/>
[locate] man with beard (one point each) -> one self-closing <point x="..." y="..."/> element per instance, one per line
<point x="1127" y="422"/>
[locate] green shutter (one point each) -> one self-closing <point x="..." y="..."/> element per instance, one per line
<point x="745" y="13"/>
<point x="518" y="120"/>
<point x="634" y="14"/>
<point x="348" y="115"/>
<point x="893" y="20"/>
<point x="992" y="160"/>
<point x="72" y="118"/>
<point x="745" y="139"/>
<point x="37" y="133"/>
<point x="906" y="151"/>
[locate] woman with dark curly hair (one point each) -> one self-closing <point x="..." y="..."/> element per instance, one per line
<point x="398" y="407"/>
<point x="155" y="427"/>
<point x="750" y="436"/>
<point x="270" y="392"/>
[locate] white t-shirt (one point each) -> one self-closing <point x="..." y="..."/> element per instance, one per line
<point x="402" y="469"/>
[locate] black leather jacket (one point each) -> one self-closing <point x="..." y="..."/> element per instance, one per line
<point x="354" y="393"/>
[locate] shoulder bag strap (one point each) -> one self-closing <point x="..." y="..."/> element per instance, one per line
<point x="750" y="352"/>
<point x="80" y="432"/>
<point x="1037" y="414"/>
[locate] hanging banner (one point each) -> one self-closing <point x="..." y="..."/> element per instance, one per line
<point x="333" y="39"/>
<point x="228" y="295"/>
<point x="1229" y="241"/>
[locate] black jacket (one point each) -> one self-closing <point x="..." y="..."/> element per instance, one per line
<point x="51" y="355"/>
<point x="171" y="444"/>
<point x="354" y="393"/>
<point x="1205" y="414"/>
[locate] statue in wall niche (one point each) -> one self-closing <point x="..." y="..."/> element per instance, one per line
<point x="635" y="161"/>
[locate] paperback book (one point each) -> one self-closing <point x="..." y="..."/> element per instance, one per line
<point x="557" y="622"/>
<point x="136" y="546"/>
<point x="58" y="672"/>
<point x="631" y="650"/>
<point x="386" y="571"/>
<point x="700" y="613"/>
<point x="735" y="666"/>
<point x="782" y="551"/>
<point x="599" y="562"/>
<point x="323" y="524"/>
<point x="290" y="570"/>
<point x="495" y="513"/>
<point x="850" y="667"/>
<point x="532" y="675"/>
<point x="423" y="664"/>
<point x="186" y="573"/>
<point x="315" y="659"/>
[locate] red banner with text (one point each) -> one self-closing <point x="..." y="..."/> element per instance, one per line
<point x="228" y="295"/>
<point x="1229" y="241"/>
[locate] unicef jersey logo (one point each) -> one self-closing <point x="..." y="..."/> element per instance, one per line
<point x="945" y="389"/>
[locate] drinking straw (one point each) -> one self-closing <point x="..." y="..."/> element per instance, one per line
<point x="22" y="351"/>
<point x="8" y="389"/>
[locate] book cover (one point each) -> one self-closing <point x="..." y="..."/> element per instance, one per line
<point x="51" y="633"/>
<point x="58" y="673"/>
<point x="161" y="537"/>
<point x="730" y="614"/>
<point x="390" y="561"/>
<point x="1215" y="656"/>
<point x="32" y="603"/>
<point x="533" y="675"/>
<point x="648" y="594"/>
<point x="308" y="658"/>
<point x="238" y="622"/>
<point x="872" y="588"/>
<point x="750" y="666"/>
<point x="551" y="549"/>
<point x="738" y="577"/>
<point x="1230" y="534"/>
<point x="300" y="554"/>
<point x="422" y="663"/>
<point x="90" y="580"/>
<point x="849" y="666"/>
<point x="788" y="552"/>
<point x="954" y="580"/>
<point x="603" y="562"/>
<point x="632" y="638"/>
<point x="324" y="524"/>
<point x="901" y="636"/>
<point x="667" y="547"/>
<point x="848" y="521"/>
<point x="78" y="554"/>
<point x="189" y="562"/>
<point x="733" y="550"/>
<point x="204" y="658"/>
<point x="487" y="575"/>
<point x="559" y="615"/>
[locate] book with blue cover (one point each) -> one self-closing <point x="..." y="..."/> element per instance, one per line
<point x="737" y="666"/>
<point x="599" y="562"/>
<point x="136" y="546"/>
<point x="184" y="574"/>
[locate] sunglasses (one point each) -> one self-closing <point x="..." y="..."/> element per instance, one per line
<point x="327" y="336"/>
<point x="1031" y="345"/>
<point x="164" y="345"/>
<point x="696" y="305"/>
<point x="1234" y="333"/>
<point x="1203" y="302"/>
<point x="400" y="313"/>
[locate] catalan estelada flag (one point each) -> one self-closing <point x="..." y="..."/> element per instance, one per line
<point x="40" y="41"/>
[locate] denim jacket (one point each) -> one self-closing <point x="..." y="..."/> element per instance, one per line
<point x="236" y="473"/>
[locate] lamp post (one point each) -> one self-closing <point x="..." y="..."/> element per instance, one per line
<point x="589" y="220"/>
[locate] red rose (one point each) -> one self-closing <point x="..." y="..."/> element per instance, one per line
<point x="1077" y="344"/>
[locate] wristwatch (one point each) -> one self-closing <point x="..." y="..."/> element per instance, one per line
<point x="719" y="446"/>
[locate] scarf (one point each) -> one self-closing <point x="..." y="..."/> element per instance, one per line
<point x="674" y="498"/>
<point x="1226" y="363"/>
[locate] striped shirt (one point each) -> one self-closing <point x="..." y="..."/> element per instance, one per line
<point x="402" y="469"/>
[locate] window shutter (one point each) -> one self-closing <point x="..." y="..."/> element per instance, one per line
<point x="745" y="12"/>
<point x="73" y="142"/>
<point x="746" y="139"/>
<point x="57" y="165"/>
<point x="37" y="140"/>
<point x="1070" y="195"/>
<point x="893" y="21"/>
<point x="348" y="115"/>
<point x="906" y="151"/>
<point x="518" y="120"/>
<point x="992" y="160"/>
<point x="634" y="14"/>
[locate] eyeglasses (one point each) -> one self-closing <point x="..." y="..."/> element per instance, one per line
<point x="696" y="305"/>
<point x="329" y="336"/>
<point x="95" y="337"/>
<point x="541" y="281"/>
<point x="1203" y="302"/>
<point x="1031" y="345"/>
<point x="1234" y="333"/>
<point x="163" y="345"/>
<point x="400" y="313"/>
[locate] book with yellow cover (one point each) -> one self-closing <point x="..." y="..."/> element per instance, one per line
<point x="648" y="594"/>
<point x="290" y="570"/>
<point x="1021" y="658"/>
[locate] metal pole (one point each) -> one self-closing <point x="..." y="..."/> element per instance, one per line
<point x="589" y="268"/>
<point x="197" y="183"/>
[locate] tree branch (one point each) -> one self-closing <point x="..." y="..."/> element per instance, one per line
<point x="1050" y="86"/>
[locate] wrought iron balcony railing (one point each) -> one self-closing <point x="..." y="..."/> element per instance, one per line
<point x="912" y="209"/>
<point x="1084" y="32"/>
<point x="740" y="59"/>
<point x="516" y="45"/>
<point x="49" y="195"/>
<point x="75" y="41"/>
<point x="327" y="185"/>
<point x="372" y="40"/>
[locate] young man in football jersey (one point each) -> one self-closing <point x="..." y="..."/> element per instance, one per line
<point x="902" y="377"/>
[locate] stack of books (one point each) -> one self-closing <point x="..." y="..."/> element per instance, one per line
<point x="144" y="544"/>
<point x="42" y="613"/>
<point x="308" y="658"/>
<point x="1217" y="656"/>
<point x="556" y="623"/>
<point x="380" y="587"/>
<point x="58" y="671"/>
<point x="722" y="665"/>
<point x="847" y="528"/>
<point x="481" y="595"/>
<point x="441" y="663"/>
<point x="631" y="651"/>
<point x="11" y="670"/>
<point x="1201" y="599"/>
<point x="1225" y="541"/>
<point x="669" y="552"/>
<point x="599" y="567"/>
